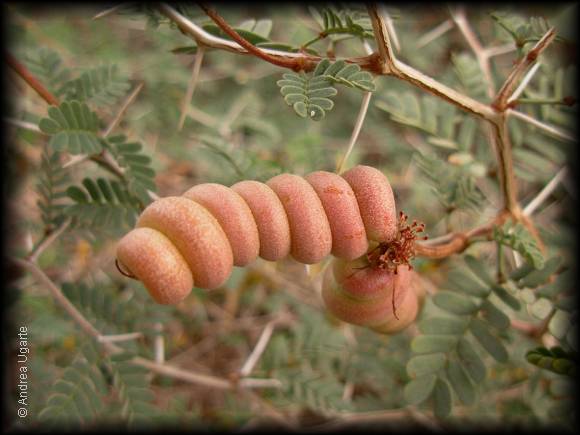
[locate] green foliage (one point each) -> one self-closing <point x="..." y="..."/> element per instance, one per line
<point x="517" y="237"/>
<point x="453" y="185"/>
<point x="97" y="389"/>
<point x="73" y="128"/>
<point x="47" y="66"/>
<point x="523" y="31"/>
<point x="470" y="75"/>
<point x="99" y="304"/>
<point x="252" y="31"/>
<point x="77" y="398"/>
<point x="446" y="359"/>
<point x="113" y="315"/>
<point x="316" y="381"/>
<point x="51" y="189"/>
<point x="467" y="349"/>
<point x="101" y="86"/>
<point x="132" y="387"/>
<point x="445" y="128"/>
<point x="308" y="94"/>
<point x="555" y="359"/>
<point x="102" y="203"/>
<point x="139" y="174"/>
<point x="344" y="21"/>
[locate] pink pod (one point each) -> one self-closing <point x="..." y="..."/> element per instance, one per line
<point x="311" y="239"/>
<point x="361" y="281"/>
<point x="233" y="215"/>
<point x="406" y="312"/>
<point x="270" y="218"/>
<point x="197" y="236"/>
<point x="375" y="200"/>
<point x="373" y="309"/>
<point x="152" y="259"/>
<point x="349" y="240"/>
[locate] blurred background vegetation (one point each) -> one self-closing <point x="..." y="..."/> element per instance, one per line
<point x="437" y="158"/>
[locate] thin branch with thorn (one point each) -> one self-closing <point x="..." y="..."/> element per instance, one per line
<point x="506" y="91"/>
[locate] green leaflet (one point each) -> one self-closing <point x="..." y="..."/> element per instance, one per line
<point x="101" y="203"/>
<point x="479" y="269"/>
<point x="46" y="65"/>
<point x="455" y="303"/>
<point x="77" y="398"/>
<point x="424" y="364"/>
<point x="555" y="359"/>
<point x="309" y="94"/>
<point x="488" y="341"/>
<point x="419" y="389"/>
<point x="101" y="86"/>
<point x="51" y="189"/>
<point x="442" y="398"/>
<point x="517" y="237"/>
<point x="73" y="127"/>
<point x="494" y="315"/>
<point x="138" y="171"/>
<point x="460" y="382"/>
<point x="540" y="276"/>
<point x="343" y="21"/>
<point x="469" y="73"/>
<point x="444" y="325"/>
<point x="454" y="185"/>
<point x="433" y="343"/>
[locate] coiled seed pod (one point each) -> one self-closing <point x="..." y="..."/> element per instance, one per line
<point x="379" y="299"/>
<point x="213" y="227"/>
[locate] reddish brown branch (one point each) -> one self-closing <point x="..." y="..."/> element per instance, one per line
<point x="295" y="64"/>
<point x="23" y="72"/>
<point x="458" y="242"/>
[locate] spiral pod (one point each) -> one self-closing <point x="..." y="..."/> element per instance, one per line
<point x="197" y="238"/>
<point x="379" y="299"/>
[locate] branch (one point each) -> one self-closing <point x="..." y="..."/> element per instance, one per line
<point x="296" y="64"/>
<point x="455" y="243"/>
<point x="23" y="72"/>
<point x="554" y="131"/>
<point x="60" y="298"/>
<point x="23" y="124"/>
<point x="128" y="101"/>
<point x="362" y="113"/>
<point x="380" y="28"/>
<point x="259" y="348"/>
<point x="525" y="81"/>
<point x="545" y="192"/>
<point x="434" y="33"/>
<point x="114" y="338"/>
<point x="500" y="102"/>
<point x="49" y="237"/>
<point x="163" y="369"/>
<point x="356" y="130"/>
<point x="480" y="53"/>
<point x="369" y="63"/>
